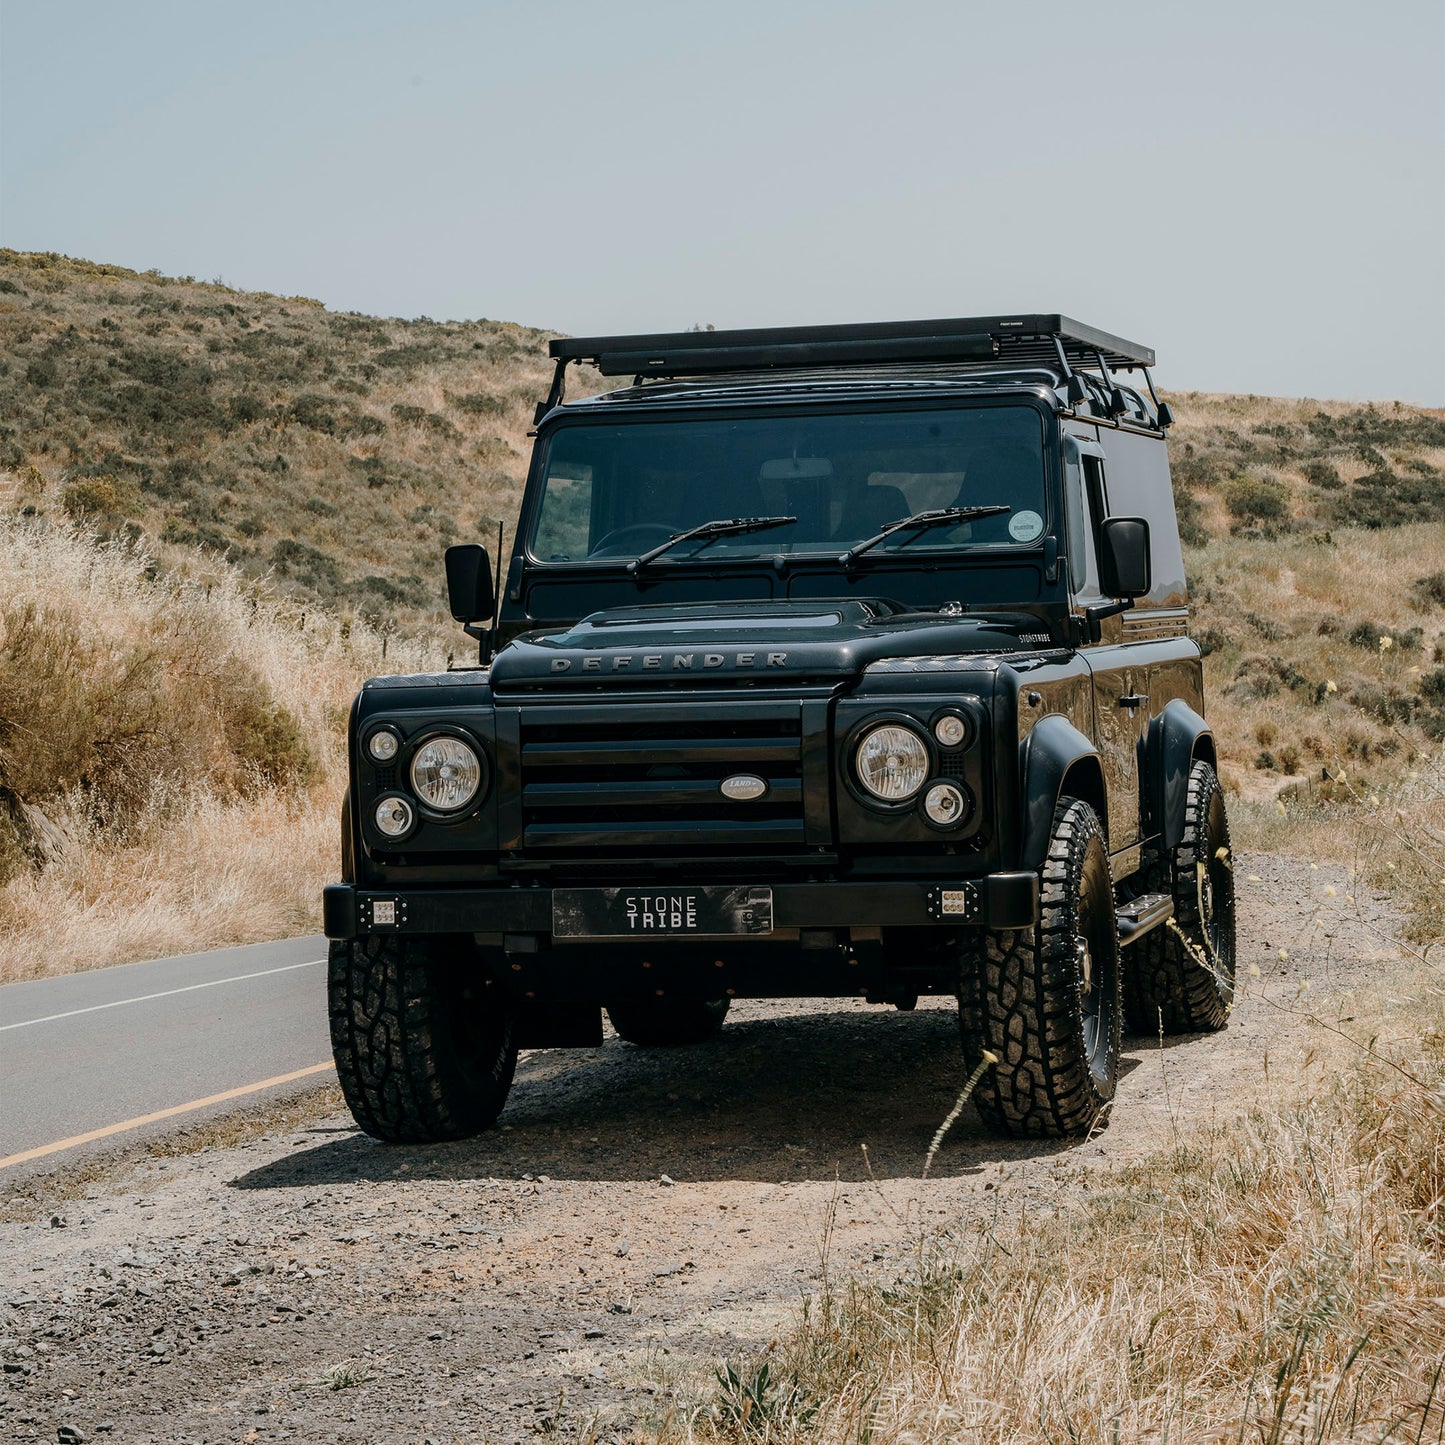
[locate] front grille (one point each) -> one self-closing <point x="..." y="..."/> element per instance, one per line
<point x="650" y="785"/>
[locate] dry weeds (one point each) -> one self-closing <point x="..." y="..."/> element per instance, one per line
<point x="188" y="866"/>
<point x="1279" y="1277"/>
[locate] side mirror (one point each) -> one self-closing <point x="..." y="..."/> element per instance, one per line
<point x="1166" y="415"/>
<point x="1124" y="557"/>
<point x="469" y="583"/>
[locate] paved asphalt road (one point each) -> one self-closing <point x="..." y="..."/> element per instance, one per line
<point x="91" y="1051"/>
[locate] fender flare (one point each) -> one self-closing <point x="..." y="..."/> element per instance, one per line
<point x="1178" y="737"/>
<point x="348" y="842"/>
<point x="1054" y="759"/>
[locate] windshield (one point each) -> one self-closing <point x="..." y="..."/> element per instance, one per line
<point x="615" y="490"/>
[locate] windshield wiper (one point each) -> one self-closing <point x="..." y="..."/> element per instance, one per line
<point x="724" y="527"/>
<point x="921" y="522"/>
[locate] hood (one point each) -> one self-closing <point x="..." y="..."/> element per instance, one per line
<point x="772" y="642"/>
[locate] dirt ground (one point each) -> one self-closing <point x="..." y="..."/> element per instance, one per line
<point x="640" y="1217"/>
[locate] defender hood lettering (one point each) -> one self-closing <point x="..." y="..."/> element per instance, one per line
<point x="771" y="641"/>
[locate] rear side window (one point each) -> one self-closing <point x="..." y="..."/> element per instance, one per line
<point x="1139" y="486"/>
<point x="1085" y="505"/>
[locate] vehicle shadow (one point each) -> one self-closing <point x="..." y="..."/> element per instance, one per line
<point x="800" y="1096"/>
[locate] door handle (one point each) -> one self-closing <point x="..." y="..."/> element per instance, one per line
<point x="1132" y="700"/>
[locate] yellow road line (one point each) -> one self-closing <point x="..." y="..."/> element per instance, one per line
<point x="39" y="1153"/>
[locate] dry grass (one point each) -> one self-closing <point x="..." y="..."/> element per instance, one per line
<point x="1299" y="664"/>
<point x="186" y="863"/>
<point x="1276" y="1278"/>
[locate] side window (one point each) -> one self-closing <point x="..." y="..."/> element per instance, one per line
<point x="1085" y="505"/>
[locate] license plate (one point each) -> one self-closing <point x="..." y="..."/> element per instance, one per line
<point x="661" y="912"/>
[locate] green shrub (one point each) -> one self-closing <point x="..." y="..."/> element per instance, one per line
<point x="427" y="420"/>
<point x="308" y="564"/>
<point x="1429" y="591"/>
<point x="245" y="409"/>
<point x="1367" y="635"/>
<point x="1192" y="531"/>
<point x="104" y="496"/>
<point x="263" y="737"/>
<point x="479" y="403"/>
<point x="1321" y="473"/>
<point x="111" y="722"/>
<point x="1382" y="499"/>
<point x="1250" y="497"/>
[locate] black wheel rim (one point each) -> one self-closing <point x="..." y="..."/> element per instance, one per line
<point x="1095" y="957"/>
<point x="1216" y="898"/>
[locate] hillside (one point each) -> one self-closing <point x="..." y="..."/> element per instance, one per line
<point x="339" y="453"/>
<point x="177" y="457"/>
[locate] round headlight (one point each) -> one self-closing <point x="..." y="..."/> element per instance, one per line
<point x="944" y="805"/>
<point x="950" y="730"/>
<point x="383" y="745"/>
<point x="394" y="816"/>
<point x="892" y="763"/>
<point x="446" y="773"/>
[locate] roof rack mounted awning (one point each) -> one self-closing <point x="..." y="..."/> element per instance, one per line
<point x="1038" y="340"/>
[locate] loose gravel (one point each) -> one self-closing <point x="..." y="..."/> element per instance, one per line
<point x="639" y="1217"/>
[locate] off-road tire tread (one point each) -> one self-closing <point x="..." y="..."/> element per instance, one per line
<point x="395" y="1056"/>
<point x="1019" y="998"/>
<point x="1166" y="988"/>
<point x="668" y="1023"/>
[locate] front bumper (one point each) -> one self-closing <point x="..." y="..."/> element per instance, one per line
<point x="522" y="918"/>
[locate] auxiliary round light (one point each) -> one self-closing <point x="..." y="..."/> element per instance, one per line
<point x="394" y="816"/>
<point x="892" y="762"/>
<point x="944" y="804"/>
<point x="950" y="730"/>
<point x="383" y="745"/>
<point x="446" y="773"/>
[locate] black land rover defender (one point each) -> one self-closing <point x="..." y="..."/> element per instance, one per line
<point x="845" y="660"/>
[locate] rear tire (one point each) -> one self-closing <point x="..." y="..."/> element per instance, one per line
<point x="668" y="1023"/>
<point x="1167" y="988"/>
<point x="422" y="1053"/>
<point x="1045" y="1001"/>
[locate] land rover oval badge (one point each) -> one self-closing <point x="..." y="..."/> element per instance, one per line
<point x="742" y="787"/>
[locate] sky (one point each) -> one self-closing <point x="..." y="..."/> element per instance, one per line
<point x="1256" y="190"/>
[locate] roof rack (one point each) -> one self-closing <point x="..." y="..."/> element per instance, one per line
<point x="1057" y="342"/>
<point x="974" y="338"/>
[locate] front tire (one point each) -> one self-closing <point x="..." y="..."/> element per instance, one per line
<point x="1046" y="1001"/>
<point x="668" y="1023"/>
<point x="422" y="1053"/>
<point x="1170" y="987"/>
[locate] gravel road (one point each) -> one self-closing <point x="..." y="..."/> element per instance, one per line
<point x="641" y="1216"/>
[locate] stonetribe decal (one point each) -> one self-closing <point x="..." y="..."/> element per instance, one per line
<point x="680" y="661"/>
